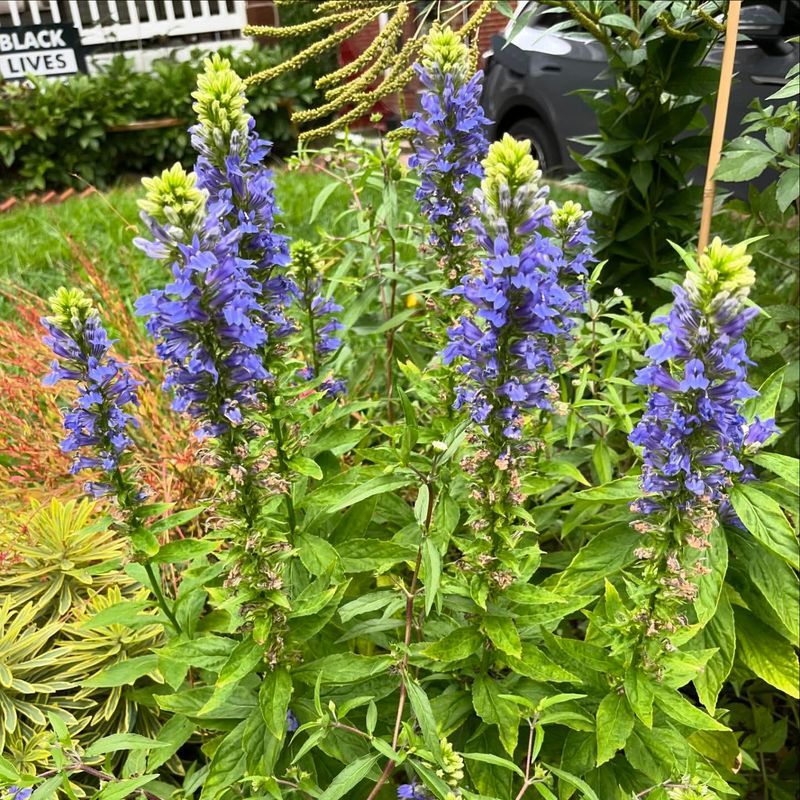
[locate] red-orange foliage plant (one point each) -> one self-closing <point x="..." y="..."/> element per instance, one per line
<point x="31" y="461"/>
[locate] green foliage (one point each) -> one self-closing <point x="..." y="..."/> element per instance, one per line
<point x="344" y="603"/>
<point x="746" y="157"/>
<point x="64" y="128"/>
<point x="651" y="132"/>
<point x="62" y="567"/>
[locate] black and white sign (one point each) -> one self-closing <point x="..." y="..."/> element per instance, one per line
<point x="40" y="50"/>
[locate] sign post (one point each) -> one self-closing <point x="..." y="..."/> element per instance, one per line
<point x="40" y="50"/>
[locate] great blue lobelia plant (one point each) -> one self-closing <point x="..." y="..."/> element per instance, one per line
<point x="430" y="607"/>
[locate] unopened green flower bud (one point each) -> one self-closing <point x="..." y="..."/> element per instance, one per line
<point x="567" y="217"/>
<point x="69" y="306"/>
<point x="445" y="53"/>
<point x="220" y="98"/>
<point x="174" y="199"/>
<point x="452" y="764"/>
<point x="721" y="271"/>
<point x="510" y="193"/>
<point x="304" y="259"/>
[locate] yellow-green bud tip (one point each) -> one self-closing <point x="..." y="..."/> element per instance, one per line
<point x="721" y="270"/>
<point x="567" y="215"/>
<point x="444" y="50"/>
<point x="220" y="98"/>
<point x="508" y="163"/>
<point x="173" y="197"/>
<point x="67" y="305"/>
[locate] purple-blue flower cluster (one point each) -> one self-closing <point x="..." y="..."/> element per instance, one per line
<point x="413" y="791"/>
<point x="208" y="329"/>
<point x="221" y="320"/>
<point x="449" y="138"/>
<point x="693" y="431"/>
<point x="98" y="424"/>
<point x="17" y="793"/>
<point x="321" y="323"/>
<point x="529" y="288"/>
<point x="241" y="198"/>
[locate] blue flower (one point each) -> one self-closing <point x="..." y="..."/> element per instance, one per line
<point x="292" y="723"/>
<point x="16" y="793"/>
<point x="98" y="425"/>
<point x="449" y="138"/>
<point x="208" y="327"/>
<point x="693" y="433"/>
<point x="413" y="791"/>
<point x="524" y="298"/>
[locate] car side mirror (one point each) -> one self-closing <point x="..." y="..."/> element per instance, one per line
<point x="763" y="25"/>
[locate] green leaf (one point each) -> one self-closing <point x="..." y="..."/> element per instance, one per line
<point x="764" y="404"/>
<point x="184" y="550"/>
<point x="306" y="466"/>
<point x="764" y="518"/>
<point x="503" y="634"/>
<point x="123" y="613"/>
<point x="349" y="777"/>
<point x="677" y="707"/>
<point x="619" y="21"/>
<point x="424" y="714"/>
<point x="8" y="772"/>
<point x="495" y="710"/>
<point x="640" y="694"/>
<point x="246" y="656"/>
<point x="785" y="467"/>
<point x="373" y="555"/>
<point x="614" y="725"/>
<point x="227" y="764"/>
<point x="457" y="645"/>
<point x="768" y="655"/>
<point x="123" y="673"/>
<point x="144" y="541"/>
<point x="175" y="732"/>
<point x="746" y="158"/>
<point x="342" y="668"/>
<point x="175" y="520"/>
<point x="378" y="485"/>
<point x="48" y="789"/>
<point x="489" y="758"/>
<point x="121" y="741"/>
<point x="573" y="780"/>
<point x="431" y="572"/>
<point x="121" y="789"/>
<point x="710" y="585"/>
<point x="536" y="664"/>
<point x="720" y="633"/>
<point x="273" y="699"/>
<point x="788" y="188"/>
<point x="621" y="490"/>
<point x="323" y="195"/>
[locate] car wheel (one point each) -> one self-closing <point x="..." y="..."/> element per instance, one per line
<point x="544" y="147"/>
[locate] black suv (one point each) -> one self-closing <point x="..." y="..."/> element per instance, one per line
<point x="530" y="81"/>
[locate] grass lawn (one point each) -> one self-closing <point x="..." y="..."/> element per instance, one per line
<point x="43" y="246"/>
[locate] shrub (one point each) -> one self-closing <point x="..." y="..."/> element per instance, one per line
<point x="62" y="130"/>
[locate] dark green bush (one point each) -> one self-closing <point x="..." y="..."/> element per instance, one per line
<point x="63" y="129"/>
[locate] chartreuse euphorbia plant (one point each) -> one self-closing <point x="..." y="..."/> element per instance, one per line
<point x="440" y="606"/>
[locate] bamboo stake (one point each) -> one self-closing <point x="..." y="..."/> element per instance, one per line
<point x="720" y="117"/>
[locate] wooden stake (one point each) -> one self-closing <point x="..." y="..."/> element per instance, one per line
<point x="720" y="117"/>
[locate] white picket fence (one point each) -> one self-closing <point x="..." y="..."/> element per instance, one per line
<point x="132" y="24"/>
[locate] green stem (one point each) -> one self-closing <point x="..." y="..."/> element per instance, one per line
<point x="162" y="601"/>
<point x="277" y="435"/>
